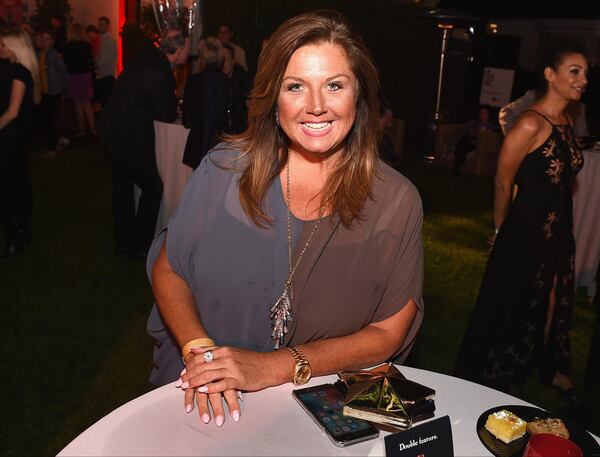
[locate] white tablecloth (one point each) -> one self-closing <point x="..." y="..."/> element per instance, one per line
<point x="272" y="423"/>
<point x="586" y="222"/>
<point x="170" y="142"/>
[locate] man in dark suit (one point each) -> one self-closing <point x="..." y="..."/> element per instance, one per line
<point x="144" y="92"/>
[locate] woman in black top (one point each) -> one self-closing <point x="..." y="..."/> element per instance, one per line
<point x="80" y="64"/>
<point x="19" y="88"/>
<point x="205" y="102"/>
<point x="239" y="91"/>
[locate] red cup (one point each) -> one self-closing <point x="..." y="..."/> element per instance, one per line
<point x="547" y="445"/>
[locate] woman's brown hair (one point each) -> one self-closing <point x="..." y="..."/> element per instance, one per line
<point x="265" y="146"/>
<point x="76" y="32"/>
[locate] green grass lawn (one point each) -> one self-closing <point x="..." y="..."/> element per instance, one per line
<point x="74" y="314"/>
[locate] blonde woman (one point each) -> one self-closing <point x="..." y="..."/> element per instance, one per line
<point x="19" y="90"/>
<point x="205" y="102"/>
<point x="80" y="64"/>
<point x="210" y="53"/>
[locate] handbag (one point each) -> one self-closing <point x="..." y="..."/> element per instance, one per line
<point x="383" y="395"/>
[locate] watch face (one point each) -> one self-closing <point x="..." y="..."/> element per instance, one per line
<point x="303" y="374"/>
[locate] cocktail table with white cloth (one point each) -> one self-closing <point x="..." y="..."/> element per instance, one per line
<point x="170" y="139"/>
<point x="272" y="423"/>
<point x="586" y="221"/>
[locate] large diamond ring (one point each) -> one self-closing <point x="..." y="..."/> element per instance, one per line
<point x="208" y="356"/>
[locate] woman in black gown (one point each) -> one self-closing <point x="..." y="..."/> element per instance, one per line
<point x="19" y="90"/>
<point x="521" y="320"/>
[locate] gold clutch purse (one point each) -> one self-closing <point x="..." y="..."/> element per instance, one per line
<point x="384" y="396"/>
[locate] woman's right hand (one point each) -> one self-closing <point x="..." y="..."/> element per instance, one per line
<point x="191" y="395"/>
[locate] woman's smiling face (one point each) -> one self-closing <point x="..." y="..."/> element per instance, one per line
<point x="317" y="100"/>
<point x="570" y="78"/>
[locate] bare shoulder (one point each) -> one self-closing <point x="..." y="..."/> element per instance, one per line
<point x="529" y="123"/>
<point x="529" y="132"/>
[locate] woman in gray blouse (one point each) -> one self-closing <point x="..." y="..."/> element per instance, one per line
<point x="290" y="236"/>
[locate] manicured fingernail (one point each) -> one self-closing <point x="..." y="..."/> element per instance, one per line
<point x="178" y="383"/>
<point x="219" y="420"/>
<point x="188" y="408"/>
<point x="205" y="418"/>
<point x="185" y="385"/>
<point x="240" y="396"/>
<point x="203" y="389"/>
<point x="182" y="372"/>
<point x="236" y="415"/>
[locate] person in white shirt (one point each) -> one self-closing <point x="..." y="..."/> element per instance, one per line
<point x="225" y="36"/>
<point x="106" y="61"/>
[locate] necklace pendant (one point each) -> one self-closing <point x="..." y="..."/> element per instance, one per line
<point x="281" y="315"/>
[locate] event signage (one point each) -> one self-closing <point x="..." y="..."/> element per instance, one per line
<point x="430" y="439"/>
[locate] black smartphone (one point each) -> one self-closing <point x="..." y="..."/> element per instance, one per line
<point x="324" y="403"/>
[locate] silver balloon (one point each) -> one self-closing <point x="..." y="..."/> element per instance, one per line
<point x="181" y="15"/>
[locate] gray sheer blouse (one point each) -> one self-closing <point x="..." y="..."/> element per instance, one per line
<point x="347" y="279"/>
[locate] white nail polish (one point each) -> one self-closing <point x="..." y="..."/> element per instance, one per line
<point x="219" y="420"/>
<point x="205" y="418"/>
<point x="236" y="415"/>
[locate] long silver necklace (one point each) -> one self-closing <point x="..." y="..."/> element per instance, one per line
<point x="281" y="311"/>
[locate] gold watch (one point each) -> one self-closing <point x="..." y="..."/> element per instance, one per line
<point x="302" y="371"/>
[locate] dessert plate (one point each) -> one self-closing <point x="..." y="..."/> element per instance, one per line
<point x="578" y="434"/>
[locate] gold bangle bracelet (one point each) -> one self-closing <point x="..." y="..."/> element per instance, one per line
<point x="197" y="343"/>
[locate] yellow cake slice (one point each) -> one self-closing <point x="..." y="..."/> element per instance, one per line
<point x="505" y="426"/>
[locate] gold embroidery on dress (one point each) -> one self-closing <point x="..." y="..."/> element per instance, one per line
<point x="548" y="151"/>
<point x="550" y="219"/>
<point x="555" y="171"/>
<point x="539" y="282"/>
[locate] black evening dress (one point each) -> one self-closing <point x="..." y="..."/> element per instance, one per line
<point x="534" y="253"/>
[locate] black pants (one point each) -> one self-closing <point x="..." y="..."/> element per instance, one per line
<point x="134" y="230"/>
<point x="16" y="195"/>
<point x="49" y="116"/>
<point x="103" y="89"/>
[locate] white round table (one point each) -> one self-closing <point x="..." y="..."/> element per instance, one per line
<point x="272" y="423"/>
<point x="586" y="220"/>
<point x="170" y="140"/>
